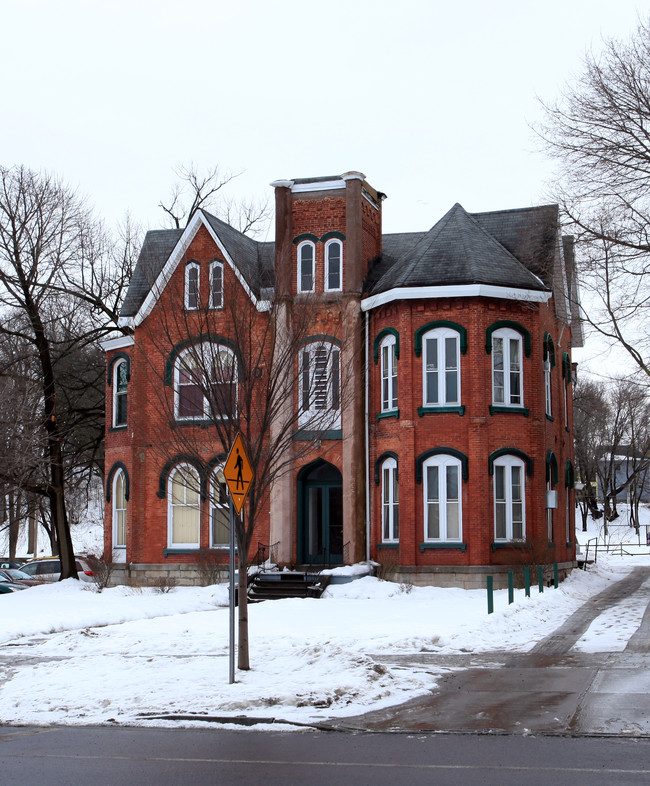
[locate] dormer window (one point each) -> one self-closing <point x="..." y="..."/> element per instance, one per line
<point x="306" y="257"/>
<point x="192" y="286"/>
<point x="333" y="266"/>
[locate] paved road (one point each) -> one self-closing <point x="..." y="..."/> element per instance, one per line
<point x="168" y="757"/>
<point x="552" y="689"/>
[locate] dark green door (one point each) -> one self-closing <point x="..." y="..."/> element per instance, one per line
<point x="322" y="515"/>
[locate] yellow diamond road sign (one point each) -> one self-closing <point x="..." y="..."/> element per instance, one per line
<point x="238" y="473"/>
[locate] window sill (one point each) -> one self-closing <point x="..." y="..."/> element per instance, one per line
<point x="508" y="544"/>
<point x="393" y="413"/>
<point x="431" y="410"/>
<point x="200" y="422"/>
<point x="500" y="409"/>
<point x="569" y="544"/>
<point x="188" y="550"/>
<point x="443" y="545"/>
<point x="388" y="545"/>
<point x="306" y="436"/>
<point x="550" y="417"/>
<point x="113" y="429"/>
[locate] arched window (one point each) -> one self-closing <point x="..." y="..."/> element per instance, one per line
<point x="192" y="285"/>
<point x="507" y="368"/>
<point x="120" y="392"/>
<point x="388" y="354"/>
<point x="441" y="368"/>
<point x="219" y="510"/>
<point x="306" y="258"/>
<point x="183" y="507"/>
<point x="119" y="510"/>
<point x="549" y="363"/>
<point x="509" y="498"/>
<point x="205" y="382"/>
<point x="389" y="502"/>
<point x="443" y="519"/>
<point x="320" y="386"/>
<point x="333" y="266"/>
<point x="216" y="284"/>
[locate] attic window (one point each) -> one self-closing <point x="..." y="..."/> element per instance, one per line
<point x="192" y="286"/>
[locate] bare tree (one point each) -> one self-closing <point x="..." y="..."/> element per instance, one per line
<point x="599" y="133"/>
<point x="589" y="414"/>
<point x="196" y="190"/>
<point x="59" y="293"/>
<point x="245" y="368"/>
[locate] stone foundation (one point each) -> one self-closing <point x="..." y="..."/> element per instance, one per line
<point x="474" y="576"/>
<point x="152" y="575"/>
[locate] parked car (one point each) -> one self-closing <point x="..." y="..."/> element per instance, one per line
<point x="49" y="569"/>
<point x="18" y="577"/>
<point x="5" y="562"/>
<point x="9" y="586"/>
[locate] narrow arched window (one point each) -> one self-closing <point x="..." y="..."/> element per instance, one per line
<point x="306" y="259"/>
<point x="333" y="266"/>
<point x="320" y="386"/>
<point x="507" y="368"/>
<point x="216" y="285"/>
<point x="443" y="520"/>
<point x="192" y="286"/>
<point x="219" y="510"/>
<point x="119" y="510"/>
<point x="388" y="355"/>
<point x="389" y="502"/>
<point x="184" y="510"/>
<point x="120" y="392"/>
<point x="509" y="499"/>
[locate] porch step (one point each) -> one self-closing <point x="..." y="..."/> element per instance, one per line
<point x="273" y="585"/>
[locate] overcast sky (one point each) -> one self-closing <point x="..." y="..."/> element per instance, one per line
<point x="433" y="101"/>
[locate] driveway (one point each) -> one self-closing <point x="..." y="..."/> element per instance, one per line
<point x="553" y="689"/>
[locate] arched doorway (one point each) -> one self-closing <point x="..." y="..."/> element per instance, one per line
<point x="320" y="514"/>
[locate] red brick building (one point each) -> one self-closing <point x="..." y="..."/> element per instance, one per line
<point x="428" y="395"/>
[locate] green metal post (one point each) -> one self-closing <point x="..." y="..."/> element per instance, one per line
<point x="490" y="594"/>
<point x="540" y="578"/>
<point x="511" y="587"/>
<point x="556" y="575"/>
<point x="527" y="580"/>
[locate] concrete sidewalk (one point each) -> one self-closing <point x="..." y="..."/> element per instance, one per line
<point x="550" y="689"/>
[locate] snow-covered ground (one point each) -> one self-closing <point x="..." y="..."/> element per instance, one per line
<point x="71" y="655"/>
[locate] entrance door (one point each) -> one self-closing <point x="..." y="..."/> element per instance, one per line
<point x="321" y="535"/>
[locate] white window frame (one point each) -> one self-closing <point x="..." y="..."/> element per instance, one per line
<point x="506" y="335"/>
<point x="388" y="368"/>
<point x="171" y="506"/>
<point x="215" y="303"/>
<point x="335" y="242"/>
<point x="191" y="306"/>
<point x="219" y="501"/>
<point x="443" y="462"/>
<point x="119" y="512"/>
<point x="547" y="388"/>
<point x="203" y="354"/>
<point x="506" y="464"/>
<point x="301" y="246"/>
<point x="121" y="363"/>
<point x="320" y="386"/>
<point x="440" y="336"/>
<point x="389" y="502"/>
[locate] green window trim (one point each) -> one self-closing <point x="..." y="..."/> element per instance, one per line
<point x="510" y="324"/>
<point x="119" y="465"/>
<point x="509" y="544"/>
<point x="430" y="410"/>
<point x="304" y="435"/>
<point x="393" y="413"/>
<point x="109" y="373"/>
<point x="440" y="323"/>
<point x="441" y="451"/>
<point x="182" y="458"/>
<point x="171" y="552"/>
<point x="380" y="337"/>
<point x="305" y="236"/>
<point x="204" y="338"/>
<point x="566" y="368"/>
<point x="569" y="475"/>
<point x="498" y="409"/>
<point x="388" y="545"/>
<point x="549" y="349"/>
<point x="318" y="338"/>
<point x="528" y="461"/>
<point x="330" y="236"/>
<point x="551" y="468"/>
<point x="388" y="454"/>
<point x="429" y="544"/>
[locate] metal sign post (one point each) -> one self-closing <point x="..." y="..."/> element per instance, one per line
<point x="239" y="476"/>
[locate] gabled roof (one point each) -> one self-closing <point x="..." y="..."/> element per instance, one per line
<point x="162" y="249"/>
<point x="455" y="251"/>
